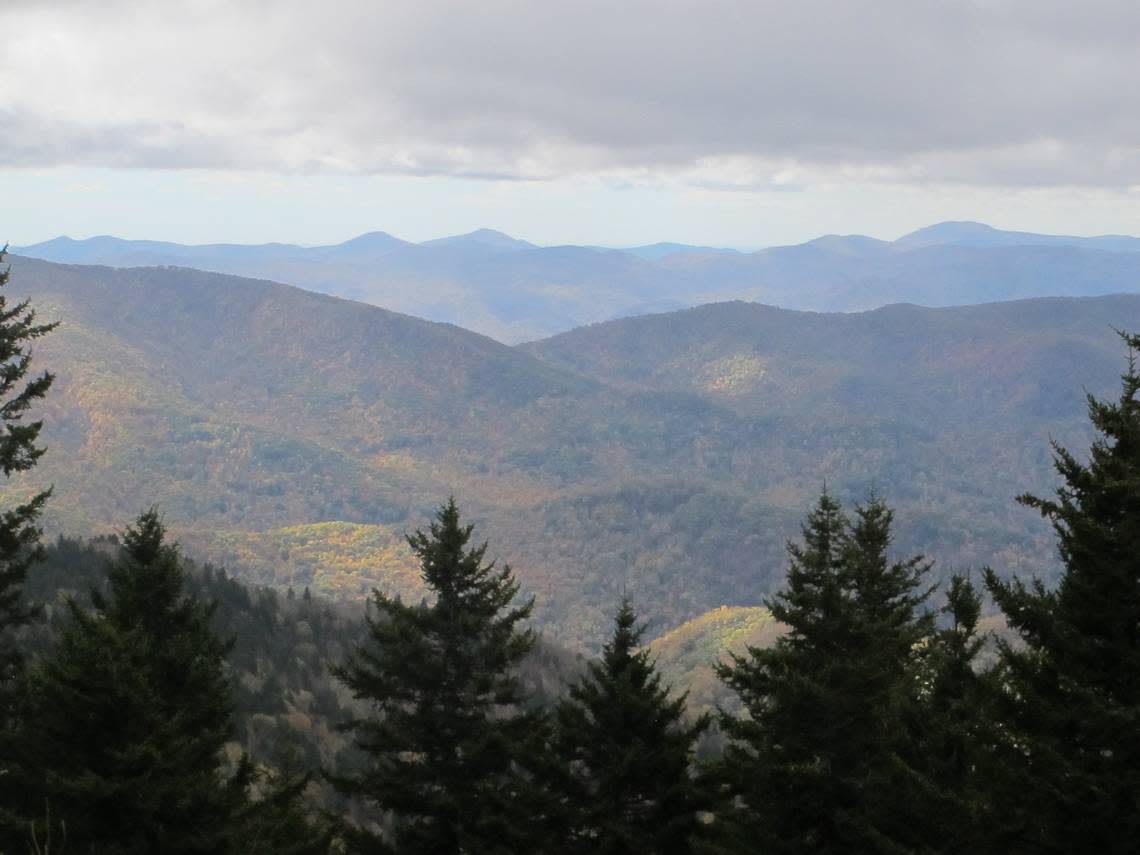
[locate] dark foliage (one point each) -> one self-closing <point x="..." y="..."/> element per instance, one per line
<point x="446" y="740"/>
<point x="627" y="749"/>
<point x="818" y="763"/>
<point x="283" y="820"/>
<point x="129" y="713"/>
<point x="952" y="737"/>
<point x="1073" y="691"/>
<point x="19" y="534"/>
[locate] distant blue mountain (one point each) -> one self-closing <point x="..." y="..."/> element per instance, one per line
<point x="979" y="234"/>
<point x="657" y="251"/>
<point x="488" y="238"/>
<point x="515" y="291"/>
<point x="370" y="242"/>
<point x="853" y="245"/>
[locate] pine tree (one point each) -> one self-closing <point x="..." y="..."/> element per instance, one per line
<point x="816" y="765"/>
<point x="130" y="712"/>
<point x="19" y="534"/>
<point x="1073" y="692"/>
<point x="281" y="821"/>
<point x="628" y="749"/>
<point x="777" y="755"/>
<point x="889" y="627"/>
<point x="447" y="737"/>
<point x="952" y="735"/>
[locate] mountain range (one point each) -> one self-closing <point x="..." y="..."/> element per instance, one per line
<point x="296" y="437"/>
<point x="514" y="291"/>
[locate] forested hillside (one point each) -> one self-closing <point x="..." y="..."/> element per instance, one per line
<point x="688" y="496"/>
<point x="295" y="437"/>
<point x="153" y="704"/>
<point x="286" y="702"/>
<point x="288" y="706"/>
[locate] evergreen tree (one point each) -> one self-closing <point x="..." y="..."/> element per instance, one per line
<point x="281" y="821"/>
<point x="130" y="712"/>
<point x="628" y="748"/>
<point x="817" y="763"/>
<point x="447" y="736"/>
<point x="952" y="736"/>
<point x="19" y="534"/>
<point x="1073" y="691"/>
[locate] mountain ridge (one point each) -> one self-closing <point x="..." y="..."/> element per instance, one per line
<point x="514" y="291"/>
<point x="947" y="231"/>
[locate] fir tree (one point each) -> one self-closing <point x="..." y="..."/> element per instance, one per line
<point x="784" y="691"/>
<point x="282" y="821"/>
<point x="1073" y="692"/>
<point x="952" y="735"/>
<point x="889" y="626"/>
<point x="19" y="534"/>
<point x="447" y="736"/>
<point x="130" y="712"/>
<point x="816" y="765"/>
<point x="628" y="749"/>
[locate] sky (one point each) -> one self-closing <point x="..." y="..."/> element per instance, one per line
<point x="727" y="123"/>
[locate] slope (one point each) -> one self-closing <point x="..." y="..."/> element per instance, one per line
<point x="297" y="437"/>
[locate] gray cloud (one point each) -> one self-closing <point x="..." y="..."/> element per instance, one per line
<point x="1019" y="92"/>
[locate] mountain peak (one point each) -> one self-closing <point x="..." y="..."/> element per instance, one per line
<point x="848" y="244"/>
<point x="482" y="237"/>
<point x="657" y="251"/>
<point x="372" y="240"/>
<point x="952" y="231"/>
<point x="971" y="234"/>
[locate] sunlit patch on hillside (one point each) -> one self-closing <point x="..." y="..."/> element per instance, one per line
<point x="339" y="559"/>
<point x="688" y="654"/>
<point x="733" y="374"/>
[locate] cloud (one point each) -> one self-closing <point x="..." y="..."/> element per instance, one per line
<point x="734" y="94"/>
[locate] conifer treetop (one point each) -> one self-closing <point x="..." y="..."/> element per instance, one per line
<point x="448" y="733"/>
<point x="18" y="327"/>
<point x="19" y="531"/>
<point x="1072" y="691"/>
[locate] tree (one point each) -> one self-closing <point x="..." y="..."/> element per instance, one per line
<point x="628" y="749"/>
<point x="817" y="764"/>
<point x="952" y="735"/>
<point x="447" y="740"/>
<point x="130" y="712"/>
<point x="1073" y="690"/>
<point x="19" y="534"/>
<point x="282" y="821"/>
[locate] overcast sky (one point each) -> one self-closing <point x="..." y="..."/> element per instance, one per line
<point x="736" y="123"/>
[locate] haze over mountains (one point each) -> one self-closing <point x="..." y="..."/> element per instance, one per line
<point x="514" y="291"/>
<point x="297" y="436"/>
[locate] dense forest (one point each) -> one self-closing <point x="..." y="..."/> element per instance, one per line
<point x="149" y="703"/>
